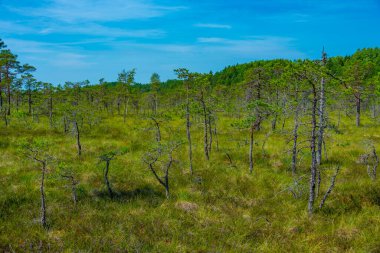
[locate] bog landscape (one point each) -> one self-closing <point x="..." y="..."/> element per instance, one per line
<point x="270" y="155"/>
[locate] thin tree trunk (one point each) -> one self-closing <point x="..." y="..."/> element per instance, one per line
<point x="313" y="168"/>
<point x="8" y="90"/>
<point x="156" y="104"/>
<point x="251" y="148"/>
<point x="322" y="107"/>
<point x="118" y="106"/>
<point x="79" y="146"/>
<point x="125" y="108"/>
<point x="295" y="133"/>
<point x="376" y="163"/>
<point x="43" y="201"/>
<point x="216" y="137"/>
<point x="17" y="101"/>
<point x="295" y="143"/>
<point x="274" y="121"/>
<point x="167" y="193"/>
<point x="330" y="188"/>
<point x="205" y="127"/>
<point x="321" y="122"/>
<point x="106" y="178"/>
<point x="74" y="191"/>
<point x="1" y="94"/>
<point x="65" y="124"/>
<point x="358" y="102"/>
<point x="5" y="118"/>
<point x="188" y="130"/>
<point x="210" y="132"/>
<point x="319" y="180"/>
<point x="51" y="111"/>
<point x="283" y="124"/>
<point x="73" y="187"/>
<point x="158" y="131"/>
<point x="9" y="100"/>
<point x="29" y="101"/>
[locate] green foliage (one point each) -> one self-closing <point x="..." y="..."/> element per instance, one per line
<point x="221" y="207"/>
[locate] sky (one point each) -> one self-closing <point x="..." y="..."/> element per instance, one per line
<point x="75" y="40"/>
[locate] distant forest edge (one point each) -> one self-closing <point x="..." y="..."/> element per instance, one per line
<point x="230" y="75"/>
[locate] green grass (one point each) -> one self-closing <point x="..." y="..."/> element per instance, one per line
<point x="222" y="208"/>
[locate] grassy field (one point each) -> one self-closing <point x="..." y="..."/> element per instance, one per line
<point x="221" y="208"/>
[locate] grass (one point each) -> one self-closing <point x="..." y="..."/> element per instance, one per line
<point x="222" y="208"/>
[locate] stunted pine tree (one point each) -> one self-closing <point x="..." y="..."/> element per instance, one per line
<point x="125" y="80"/>
<point x="37" y="151"/>
<point x="187" y="78"/>
<point x="9" y="67"/>
<point x="202" y="85"/>
<point x="322" y="108"/>
<point x="310" y="76"/>
<point x="358" y="71"/>
<point x="155" y="85"/>
<point x="29" y="83"/>
<point x="75" y="111"/>
<point x="159" y="161"/>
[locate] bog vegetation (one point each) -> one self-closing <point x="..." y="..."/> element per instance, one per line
<point x="266" y="156"/>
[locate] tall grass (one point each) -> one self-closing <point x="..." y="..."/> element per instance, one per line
<point x="222" y="208"/>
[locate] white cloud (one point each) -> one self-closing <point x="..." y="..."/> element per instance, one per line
<point x="97" y="10"/>
<point x="56" y="54"/>
<point x="94" y="29"/>
<point x="211" y="40"/>
<point x="255" y="47"/>
<point x="71" y="60"/>
<point x="215" y="26"/>
<point x="15" y="28"/>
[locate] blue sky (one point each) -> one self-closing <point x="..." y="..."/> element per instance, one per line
<point x="74" y="40"/>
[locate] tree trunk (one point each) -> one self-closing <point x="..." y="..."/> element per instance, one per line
<point x="210" y="132"/>
<point x="330" y="188"/>
<point x="274" y="121"/>
<point x="205" y="128"/>
<point x="43" y="202"/>
<point x="313" y="168"/>
<point x="295" y="143"/>
<point x="251" y="149"/>
<point x="17" y="101"/>
<point x="9" y="100"/>
<point x="156" y="104"/>
<point x="216" y="137"/>
<point x="29" y="101"/>
<point x="321" y="121"/>
<point x="258" y="114"/>
<point x="4" y="116"/>
<point x="158" y="131"/>
<point x="51" y="111"/>
<point x="125" y="108"/>
<point x="188" y="130"/>
<point x="79" y="146"/>
<point x="283" y="124"/>
<point x="106" y="179"/>
<point x="358" y="102"/>
<point x="74" y="190"/>
<point x="65" y="124"/>
<point x="1" y="94"/>
<point x="167" y="193"/>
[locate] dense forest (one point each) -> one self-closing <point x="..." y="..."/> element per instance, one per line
<point x="268" y="156"/>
